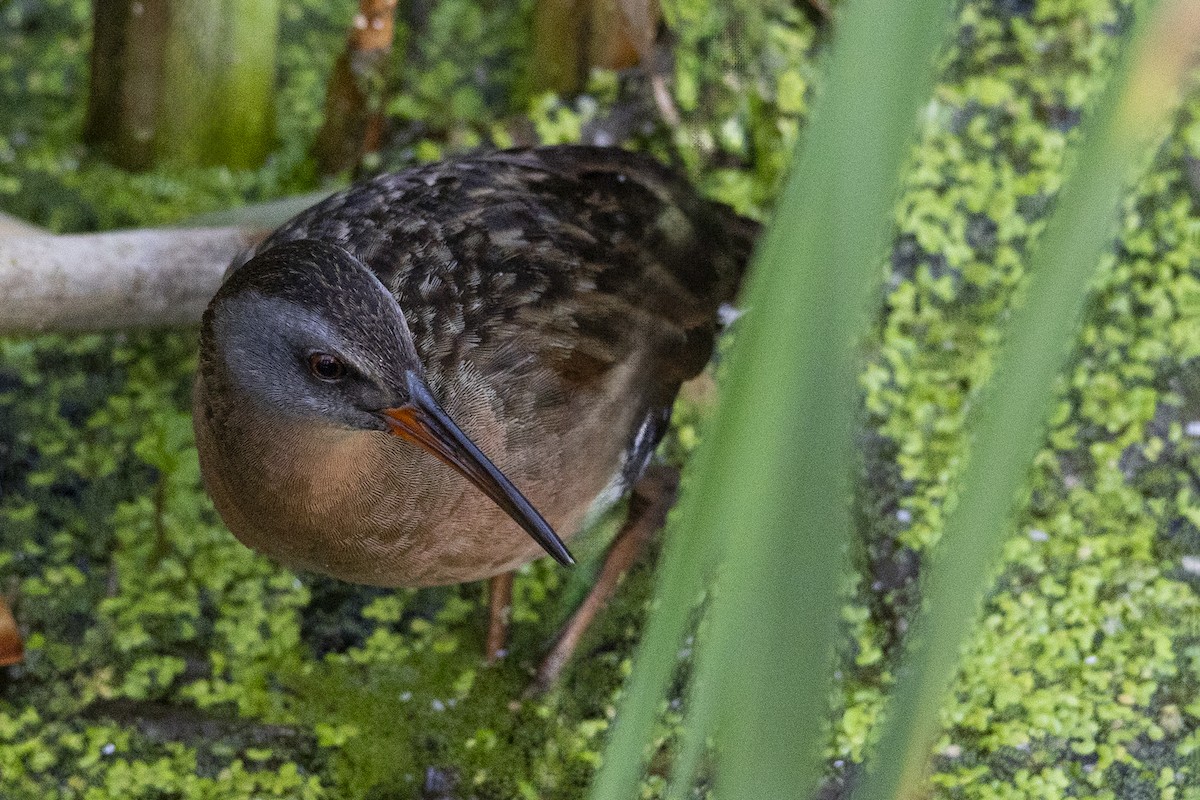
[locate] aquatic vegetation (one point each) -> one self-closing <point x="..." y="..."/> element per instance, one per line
<point x="166" y="660"/>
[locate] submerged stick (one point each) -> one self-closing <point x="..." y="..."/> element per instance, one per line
<point x="107" y="281"/>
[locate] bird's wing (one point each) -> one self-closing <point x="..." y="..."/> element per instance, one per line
<point x="578" y="255"/>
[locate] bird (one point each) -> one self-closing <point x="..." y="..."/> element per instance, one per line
<point x="443" y="373"/>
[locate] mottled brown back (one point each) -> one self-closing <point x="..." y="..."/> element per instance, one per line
<point x="567" y="251"/>
<point x="556" y="297"/>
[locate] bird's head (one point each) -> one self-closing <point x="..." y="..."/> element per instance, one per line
<point x="304" y="330"/>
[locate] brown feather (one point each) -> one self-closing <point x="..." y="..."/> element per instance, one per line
<point x="557" y="298"/>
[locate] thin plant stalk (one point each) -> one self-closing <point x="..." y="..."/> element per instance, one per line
<point x="771" y="480"/>
<point x="1007" y="421"/>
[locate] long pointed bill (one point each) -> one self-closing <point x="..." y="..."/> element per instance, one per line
<point x="423" y="422"/>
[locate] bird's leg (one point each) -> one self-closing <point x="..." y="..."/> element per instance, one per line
<point x="499" y="615"/>
<point x="649" y="503"/>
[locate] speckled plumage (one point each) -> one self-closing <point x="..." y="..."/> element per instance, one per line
<point x="556" y="298"/>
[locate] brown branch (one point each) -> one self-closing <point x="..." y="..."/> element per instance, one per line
<point x="12" y="649"/>
<point x="570" y="37"/>
<point x="159" y="68"/>
<point x="354" y="115"/>
<point x="110" y="281"/>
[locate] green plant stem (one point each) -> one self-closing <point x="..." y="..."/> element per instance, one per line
<point x="1007" y="435"/>
<point x="771" y="488"/>
<point x="217" y="102"/>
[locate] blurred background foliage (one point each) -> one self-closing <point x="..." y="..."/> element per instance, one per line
<point x="166" y="661"/>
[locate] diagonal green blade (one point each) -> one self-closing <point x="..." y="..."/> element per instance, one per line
<point x="771" y="481"/>
<point x="1007" y="427"/>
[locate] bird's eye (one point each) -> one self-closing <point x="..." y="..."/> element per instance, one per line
<point x="326" y="367"/>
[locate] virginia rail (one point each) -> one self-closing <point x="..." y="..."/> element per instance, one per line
<point x="422" y="378"/>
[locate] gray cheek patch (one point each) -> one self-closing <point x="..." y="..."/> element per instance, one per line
<point x="262" y="339"/>
<point x="265" y="342"/>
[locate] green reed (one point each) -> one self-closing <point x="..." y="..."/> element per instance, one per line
<point x="767" y="501"/>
